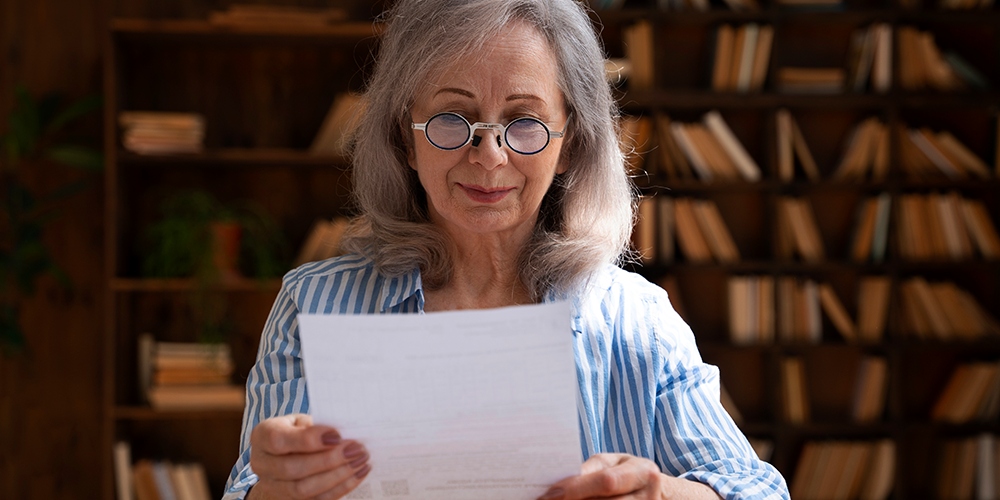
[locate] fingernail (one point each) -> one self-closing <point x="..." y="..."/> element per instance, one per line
<point x="554" y="494"/>
<point x="358" y="461"/>
<point x="362" y="472"/>
<point x="331" y="438"/>
<point x="353" y="450"/>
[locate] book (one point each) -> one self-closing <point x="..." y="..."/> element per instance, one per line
<point x="724" y="45"/>
<point x="644" y="232"/>
<point x="697" y="161"/>
<point x="801" y="224"/>
<point x="689" y="236"/>
<point x="664" y="229"/>
<point x="122" y="457"/>
<point x="338" y="125"/>
<point x="197" y="397"/>
<point x="878" y="483"/>
<point x="746" y="165"/>
<point x="323" y="240"/>
<point x="762" y="58"/>
<point x="795" y="400"/>
<point x="144" y="480"/>
<point x="868" y="402"/>
<point x="835" y="310"/>
<point x="638" y="42"/>
<point x="714" y="229"/>
<point x="965" y="392"/>
<point x="873" y="308"/>
<point x="882" y="65"/>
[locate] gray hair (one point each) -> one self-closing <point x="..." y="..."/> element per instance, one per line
<point x="586" y="217"/>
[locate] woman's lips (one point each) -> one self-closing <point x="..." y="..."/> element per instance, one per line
<point x="481" y="194"/>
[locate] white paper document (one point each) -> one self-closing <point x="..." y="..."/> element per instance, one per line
<point x="451" y="405"/>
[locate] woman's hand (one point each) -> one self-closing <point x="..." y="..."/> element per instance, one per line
<point x="621" y="476"/>
<point x="295" y="459"/>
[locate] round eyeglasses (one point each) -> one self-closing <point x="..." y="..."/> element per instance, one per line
<point x="450" y="131"/>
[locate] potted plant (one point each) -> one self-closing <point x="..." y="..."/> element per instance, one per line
<point x="199" y="237"/>
<point x="37" y="137"/>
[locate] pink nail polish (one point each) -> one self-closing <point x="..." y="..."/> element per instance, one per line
<point x="362" y="472"/>
<point x="357" y="462"/>
<point x="554" y="494"/>
<point x="353" y="450"/>
<point x="331" y="438"/>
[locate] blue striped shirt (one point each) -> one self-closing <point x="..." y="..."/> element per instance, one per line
<point x="644" y="389"/>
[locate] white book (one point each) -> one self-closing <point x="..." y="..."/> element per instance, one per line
<point x="123" y="471"/>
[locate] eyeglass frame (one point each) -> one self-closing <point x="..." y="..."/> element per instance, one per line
<point x="499" y="127"/>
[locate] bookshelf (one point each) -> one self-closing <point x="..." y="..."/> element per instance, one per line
<point x="917" y="369"/>
<point x="263" y="91"/>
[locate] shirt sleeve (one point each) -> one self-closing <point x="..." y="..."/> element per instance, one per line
<point x="695" y="438"/>
<point x="275" y="385"/>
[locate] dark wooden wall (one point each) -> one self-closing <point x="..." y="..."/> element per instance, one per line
<point x="50" y="393"/>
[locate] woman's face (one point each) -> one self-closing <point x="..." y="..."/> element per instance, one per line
<point x="489" y="189"/>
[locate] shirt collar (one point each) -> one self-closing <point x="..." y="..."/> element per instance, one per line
<point x="399" y="289"/>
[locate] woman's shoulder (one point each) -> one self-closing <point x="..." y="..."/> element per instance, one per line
<point x="349" y="284"/>
<point x="348" y="263"/>
<point x="614" y="283"/>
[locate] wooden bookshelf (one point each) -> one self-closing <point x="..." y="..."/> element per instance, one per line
<point x="263" y="92"/>
<point x="917" y="369"/>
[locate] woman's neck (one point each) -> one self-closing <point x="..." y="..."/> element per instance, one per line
<point x="484" y="275"/>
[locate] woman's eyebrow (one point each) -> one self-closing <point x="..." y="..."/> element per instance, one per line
<point x="523" y="97"/>
<point x="453" y="90"/>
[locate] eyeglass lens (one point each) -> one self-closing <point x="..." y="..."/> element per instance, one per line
<point x="452" y="131"/>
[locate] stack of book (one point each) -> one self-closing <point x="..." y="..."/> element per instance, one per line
<point x="944" y="227"/>
<point x="700" y="231"/>
<point x="971" y="394"/>
<point x="149" y="132"/>
<point x="866" y="152"/>
<point x="711" y="149"/>
<point x="942" y="311"/>
<point x="922" y="65"/>
<point x="742" y="55"/>
<point x="834" y="470"/>
<point x="798" y="233"/>
<point x="925" y="153"/>
<point x="969" y="468"/>
<point x="751" y="309"/>
<point x="871" y="233"/>
<point x="792" y="145"/>
<point x="871" y="58"/>
<point x="157" y="479"/>
<point x="188" y="376"/>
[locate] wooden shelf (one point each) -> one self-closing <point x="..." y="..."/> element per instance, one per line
<point x="234" y="157"/>
<point x="199" y="31"/>
<point x="638" y="101"/>
<point x="134" y="285"/>
<point x="146" y="413"/>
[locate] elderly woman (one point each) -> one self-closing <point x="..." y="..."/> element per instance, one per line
<point x="488" y="173"/>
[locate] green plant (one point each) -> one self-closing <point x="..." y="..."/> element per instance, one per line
<point x="179" y="243"/>
<point x="37" y="137"/>
<point x="182" y="243"/>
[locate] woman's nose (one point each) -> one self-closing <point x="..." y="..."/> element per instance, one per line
<point x="487" y="152"/>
